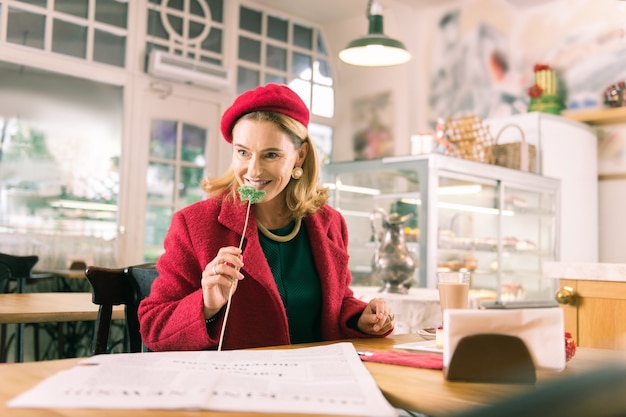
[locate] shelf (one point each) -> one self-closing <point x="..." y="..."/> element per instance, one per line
<point x="599" y="116"/>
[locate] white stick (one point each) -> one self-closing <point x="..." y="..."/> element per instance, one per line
<point x="232" y="284"/>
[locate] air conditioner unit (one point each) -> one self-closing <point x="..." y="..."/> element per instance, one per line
<point x="185" y="70"/>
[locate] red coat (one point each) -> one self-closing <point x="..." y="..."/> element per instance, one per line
<point x="171" y="318"/>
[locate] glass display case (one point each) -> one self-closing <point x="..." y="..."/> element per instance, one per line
<point x="501" y="224"/>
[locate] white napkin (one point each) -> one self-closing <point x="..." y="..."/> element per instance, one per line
<point x="541" y="329"/>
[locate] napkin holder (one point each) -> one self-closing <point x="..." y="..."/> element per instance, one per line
<point x="490" y="358"/>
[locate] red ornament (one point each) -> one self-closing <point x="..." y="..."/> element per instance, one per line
<point x="535" y="91"/>
<point x="570" y="346"/>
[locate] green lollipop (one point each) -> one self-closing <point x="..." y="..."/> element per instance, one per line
<point x="252" y="196"/>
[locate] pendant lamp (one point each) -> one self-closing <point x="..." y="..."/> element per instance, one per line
<point x="375" y="49"/>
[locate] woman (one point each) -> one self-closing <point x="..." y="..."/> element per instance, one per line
<point x="291" y="276"/>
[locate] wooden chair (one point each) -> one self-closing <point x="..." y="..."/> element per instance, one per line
<point x="117" y="286"/>
<point x="5" y="276"/>
<point x="21" y="271"/>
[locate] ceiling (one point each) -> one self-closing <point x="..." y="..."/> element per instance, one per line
<point x="324" y="11"/>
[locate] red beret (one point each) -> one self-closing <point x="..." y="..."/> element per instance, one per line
<point x="271" y="97"/>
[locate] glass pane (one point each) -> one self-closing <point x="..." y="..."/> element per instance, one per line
<point x="322" y="137"/>
<point x="113" y="12"/>
<point x="213" y="42"/>
<point x="109" y="48"/>
<point x="301" y="65"/>
<point x="249" y="50"/>
<point x="155" y="26"/>
<point x="175" y="4"/>
<point x="303" y="36"/>
<point x="157" y="223"/>
<point x="195" y="29"/>
<point x="323" y="101"/>
<point x="194" y="144"/>
<point x="217" y="10"/>
<point x="195" y="9"/>
<point x="322" y="74"/>
<point x="163" y="139"/>
<point x="189" y="190"/>
<point x="160" y="183"/>
<point x="321" y="45"/>
<point x="250" y="20"/>
<point x="247" y="79"/>
<point x="69" y="39"/>
<point x="60" y="165"/>
<point x="24" y="28"/>
<point x="276" y="58"/>
<point x="41" y="3"/>
<point x="176" y="23"/>
<point x="277" y="28"/>
<point x="303" y="89"/>
<point x="273" y="78"/>
<point x="78" y="8"/>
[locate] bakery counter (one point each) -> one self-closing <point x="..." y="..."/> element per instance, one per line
<point x="585" y="271"/>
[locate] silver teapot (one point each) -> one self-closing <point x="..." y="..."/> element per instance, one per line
<point x="392" y="261"/>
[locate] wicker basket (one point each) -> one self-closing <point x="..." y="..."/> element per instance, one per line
<point x="517" y="155"/>
<point x="470" y="138"/>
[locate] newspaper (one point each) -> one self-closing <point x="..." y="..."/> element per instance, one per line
<point x="326" y="379"/>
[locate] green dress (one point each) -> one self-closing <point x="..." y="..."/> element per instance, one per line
<point x="297" y="280"/>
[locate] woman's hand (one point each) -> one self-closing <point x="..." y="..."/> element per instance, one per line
<point x="218" y="277"/>
<point x="377" y="318"/>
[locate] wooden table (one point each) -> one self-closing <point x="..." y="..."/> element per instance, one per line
<point x="49" y="307"/>
<point x="40" y="307"/>
<point x="64" y="273"/>
<point x="420" y="390"/>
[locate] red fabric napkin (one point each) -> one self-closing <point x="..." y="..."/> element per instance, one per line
<point x="416" y="360"/>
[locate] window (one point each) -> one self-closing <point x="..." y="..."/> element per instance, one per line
<point x="101" y="38"/>
<point x="190" y="28"/>
<point x="59" y="167"/>
<point x="279" y="50"/>
<point x="275" y="49"/>
<point x="175" y="169"/>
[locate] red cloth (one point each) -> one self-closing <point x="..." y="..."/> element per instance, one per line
<point x="171" y="318"/>
<point x="416" y="360"/>
<point x="271" y="97"/>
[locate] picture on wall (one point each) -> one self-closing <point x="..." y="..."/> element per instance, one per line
<point x="371" y="118"/>
<point x="476" y="64"/>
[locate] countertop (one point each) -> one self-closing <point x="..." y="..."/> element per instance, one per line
<point x="585" y="271"/>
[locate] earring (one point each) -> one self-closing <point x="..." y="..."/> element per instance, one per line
<point x="296" y="173"/>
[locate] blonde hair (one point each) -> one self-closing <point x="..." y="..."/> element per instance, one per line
<point x="303" y="196"/>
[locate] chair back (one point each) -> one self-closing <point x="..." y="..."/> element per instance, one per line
<point x="21" y="268"/>
<point x="5" y="275"/>
<point x="119" y="286"/>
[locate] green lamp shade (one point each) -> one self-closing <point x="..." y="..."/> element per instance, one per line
<point x="375" y="49"/>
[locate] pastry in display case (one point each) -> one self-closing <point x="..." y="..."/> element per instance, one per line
<point x="498" y="223"/>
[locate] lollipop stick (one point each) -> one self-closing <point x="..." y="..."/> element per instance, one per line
<point x="253" y="196"/>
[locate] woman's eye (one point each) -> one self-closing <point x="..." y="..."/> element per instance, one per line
<point x="271" y="155"/>
<point x="242" y="152"/>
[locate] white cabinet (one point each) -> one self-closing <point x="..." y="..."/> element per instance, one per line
<point x="566" y="150"/>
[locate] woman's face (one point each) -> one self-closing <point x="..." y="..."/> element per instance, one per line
<point x="264" y="156"/>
